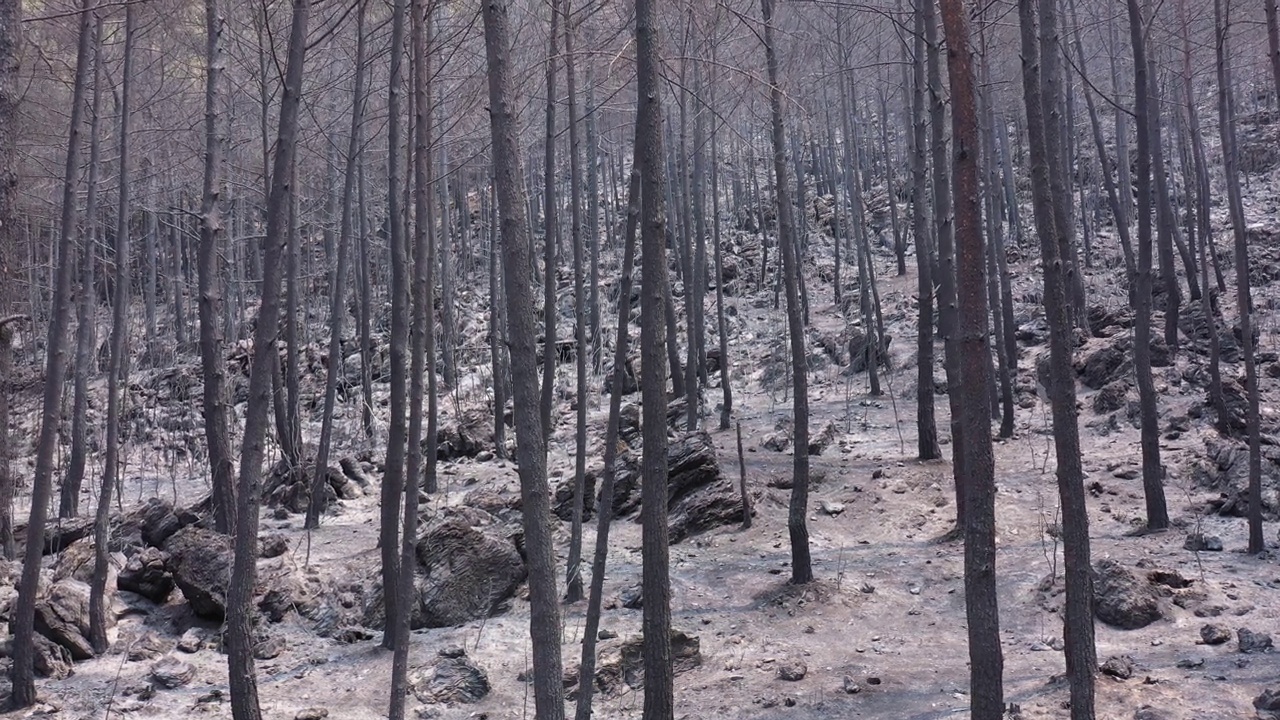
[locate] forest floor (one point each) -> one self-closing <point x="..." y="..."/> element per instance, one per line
<point x="881" y="632"/>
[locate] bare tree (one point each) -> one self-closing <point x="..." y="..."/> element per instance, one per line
<point x="243" y="679"/>
<point x="801" y="567"/>
<point x="927" y="447"/>
<point x="23" y="618"/>
<point x="10" y="54"/>
<point x="531" y="454"/>
<point x="573" y="579"/>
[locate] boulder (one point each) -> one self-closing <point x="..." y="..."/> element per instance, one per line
<point x="200" y="561"/>
<point x="62" y="615"/>
<point x="1252" y="642"/>
<point x="1214" y="634"/>
<point x="170" y="673"/>
<point x="1105" y="363"/>
<point x="624" y="668"/>
<point x="1112" y="397"/>
<point x="289" y="486"/>
<point x="562" y="502"/>
<point x="450" y="679"/>
<point x="272" y="545"/>
<point x="1268" y="702"/>
<point x="146" y="574"/>
<point x="1123" y="600"/>
<point x="159" y="522"/>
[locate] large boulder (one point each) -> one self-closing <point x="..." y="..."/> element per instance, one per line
<point x="462" y="574"/>
<point x="623" y="669"/>
<point x="159" y="522"/>
<point x="289" y="486"/>
<point x="699" y="496"/>
<point x="62" y="615"/>
<point x="1122" y="599"/>
<point x="1106" y="363"/>
<point x="147" y="575"/>
<point x="200" y="561"/>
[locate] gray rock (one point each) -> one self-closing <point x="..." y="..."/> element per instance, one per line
<point x="147" y="575"/>
<point x="170" y="673"/>
<point x="315" y="713"/>
<point x="792" y="670"/>
<point x="1214" y="634"/>
<point x="1122" y="599"/>
<point x="1120" y="668"/>
<point x="450" y="680"/>
<point x="272" y="545"/>
<point x="1251" y="642"/>
<point x="1198" y="542"/>
<point x="200" y="561"/>
<point x="1268" y="701"/>
<point x="62" y="615"/>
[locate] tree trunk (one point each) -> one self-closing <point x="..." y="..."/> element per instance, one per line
<point x="86" y="305"/>
<point x="927" y="447"/>
<point x="1152" y="470"/>
<point x="23" y="617"/>
<point x="393" y="481"/>
<point x="10" y="55"/>
<point x="1078" y="634"/>
<point x="551" y="232"/>
<point x="544" y="620"/>
<point x="986" y="660"/>
<point x="1244" y="299"/>
<point x="117" y="369"/>
<point x="1273" y="44"/>
<point x="726" y="374"/>
<point x="604" y="507"/>
<point x="243" y="680"/>
<point x="573" y="573"/>
<point x="801" y="567"/>
<point x="337" y="288"/>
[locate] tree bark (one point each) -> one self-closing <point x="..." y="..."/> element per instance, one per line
<point x="801" y="566"/>
<point x="927" y="447"/>
<point x="23" y="618"/>
<point x="986" y="659"/>
<point x="550" y="231"/>
<point x="243" y="680"/>
<point x="544" y="620"/>
<point x="10" y="56"/>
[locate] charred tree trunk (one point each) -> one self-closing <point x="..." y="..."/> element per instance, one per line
<point x="926" y="425"/>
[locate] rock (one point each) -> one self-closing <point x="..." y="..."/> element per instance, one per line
<point x="1122" y="599"/>
<point x="1105" y="323"/>
<point x="699" y="496"/>
<point x="1214" y="634"/>
<point x="630" y="384"/>
<point x="147" y="575"/>
<point x="159" y="522"/>
<point x="200" y="561"/>
<point x="462" y="574"/>
<point x="272" y="545"/>
<point x="633" y="597"/>
<point x="464" y="439"/>
<point x="1199" y="542"/>
<point x="818" y="443"/>
<point x="51" y="660"/>
<point x="851" y="686"/>
<point x="831" y="508"/>
<point x="562" y="501"/>
<point x="170" y="673"/>
<point x="315" y="713"/>
<point x="62" y="615"/>
<point x="1033" y="332"/>
<point x="1268" y="701"/>
<point x="1251" y="642"/>
<point x="1106" y="363"/>
<point x="1112" y="397"/>
<point x="779" y="441"/>
<point x="76" y="562"/>
<point x="625" y="669"/>
<point x="1147" y="712"/>
<point x="288" y="487"/>
<point x="1120" y="668"/>
<point x="190" y="641"/>
<point x="58" y="534"/>
<point x="147" y="647"/>
<point x="269" y="648"/>
<point x="792" y="670"/>
<point x="450" y="680"/>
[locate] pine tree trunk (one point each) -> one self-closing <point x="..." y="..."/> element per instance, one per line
<point x="797" y="515"/>
<point x="927" y="447"/>
<point x="544" y="620"/>
<point x="239" y="644"/>
<point x="551" y="232"/>
<point x="10" y="55"/>
<point x="23" y="617"/>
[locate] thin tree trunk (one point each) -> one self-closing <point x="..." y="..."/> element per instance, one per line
<point x="801" y="566"/>
<point x="86" y="305"/>
<point x="726" y="374"/>
<point x="1152" y="470"/>
<point x="1244" y="299"/>
<point x="118" y="365"/>
<point x="10" y="55"/>
<point x="927" y="447"/>
<point x="23" y="617"/>
<point x="551" y="231"/>
<point x="1078" y="634"/>
<point x="243" y="679"/>
<point x="573" y="572"/>
<point x="544" y="620"/>
<point x="337" y="288"/>
<point x="604" y="506"/>
<point x="1273" y="44"/>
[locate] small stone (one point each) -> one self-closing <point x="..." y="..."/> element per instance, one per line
<point x="607" y="634"/>
<point x="851" y="686"/>
<point x="269" y="649"/>
<point x="273" y="545"/>
<point x="831" y="508"/>
<point x="792" y="670"/>
<point x="315" y="713"/>
<point x="1198" y="542"/>
<point x="867" y="588"/>
<point x="1214" y="634"/>
<point x="1251" y="642"/>
<point x="170" y="673"/>
<point x="452" y="651"/>
<point x="484" y="456"/>
<point x="190" y="641"/>
<point x="1120" y="668"/>
<point x="1268" y="701"/>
